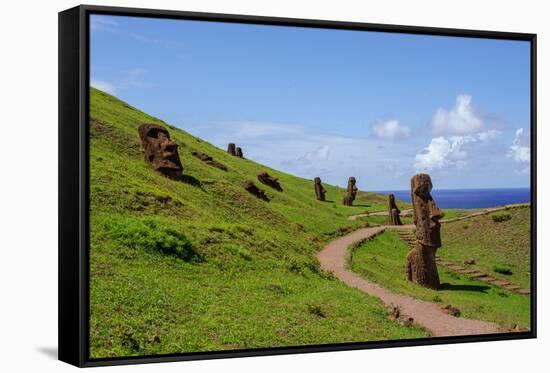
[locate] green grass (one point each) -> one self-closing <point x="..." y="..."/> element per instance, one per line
<point x="382" y="260"/>
<point x="457" y="213"/>
<point x="502" y="244"/>
<point x="200" y="264"/>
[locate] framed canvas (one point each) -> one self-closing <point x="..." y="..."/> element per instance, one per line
<point x="235" y="186"/>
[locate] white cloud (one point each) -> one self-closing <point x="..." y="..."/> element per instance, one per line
<point x="453" y="151"/>
<point x="520" y="151"/>
<point x="462" y="119"/>
<point x="103" y="86"/>
<point x="390" y="130"/>
<point x="309" y="152"/>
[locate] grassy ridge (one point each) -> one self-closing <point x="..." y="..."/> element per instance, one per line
<point x="382" y="260"/>
<point x="200" y="264"/>
<point x="492" y="244"/>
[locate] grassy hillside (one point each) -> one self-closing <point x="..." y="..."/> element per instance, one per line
<point x="382" y="260"/>
<point x="495" y="246"/>
<point x="200" y="264"/>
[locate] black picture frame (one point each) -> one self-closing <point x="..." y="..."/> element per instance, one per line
<point x="73" y="181"/>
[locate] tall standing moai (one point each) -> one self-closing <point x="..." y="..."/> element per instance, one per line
<point x="351" y="192"/>
<point x="239" y="152"/>
<point x="319" y="190"/>
<point x="421" y="265"/>
<point x="393" y="211"/>
<point x="231" y="149"/>
<point x="160" y="150"/>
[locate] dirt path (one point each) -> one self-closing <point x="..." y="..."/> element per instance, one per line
<point x="378" y="213"/>
<point x="429" y="315"/>
<point x="474" y="214"/>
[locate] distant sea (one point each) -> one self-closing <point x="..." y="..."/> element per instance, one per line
<point x="471" y="198"/>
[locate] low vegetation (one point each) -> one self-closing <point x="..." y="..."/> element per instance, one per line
<point x="202" y="265"/>
<point x="492" y="245"/>
<point x="382" y="260"/>
<point x="499" y="217"/>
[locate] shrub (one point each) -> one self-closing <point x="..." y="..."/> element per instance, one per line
<point x="150" y="235"/>
<point x="502" y="270"/>
<point x="316" y="310"/>
<point x="500" y="217"/>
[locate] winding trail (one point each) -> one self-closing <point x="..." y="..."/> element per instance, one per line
<point x="474" y="214"/>
<point x="429" y="315"/>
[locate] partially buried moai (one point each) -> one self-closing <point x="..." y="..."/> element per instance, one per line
<point x="319" y="190"/>
<point x="269" y="180"/>
<point x="351" y="192"/>
<point x="254" y="190"/>
<point x="239" y="152"/>
<point x="231" y="149"/>
<point x="393" y="211"/>
<point x="421" y="265"/>
<point x="160" y="150"/>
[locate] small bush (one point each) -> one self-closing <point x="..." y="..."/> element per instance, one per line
<point x="500" y="217"/>
<point x="316" y="310"/>
<point x="437" y="299"/>
<point x="502" y="270"/>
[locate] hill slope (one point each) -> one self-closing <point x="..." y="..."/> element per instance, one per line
<point x="200" y="264"/>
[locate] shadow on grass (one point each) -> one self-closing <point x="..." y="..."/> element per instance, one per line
<point x="354" y="205"/>
<point x="191" y="180"/>
<point x="478" y="288"/>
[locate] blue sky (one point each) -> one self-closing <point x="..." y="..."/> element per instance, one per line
<point x="330" y="103"/>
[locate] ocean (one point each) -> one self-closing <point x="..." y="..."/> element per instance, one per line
<point x="471" y="198"/>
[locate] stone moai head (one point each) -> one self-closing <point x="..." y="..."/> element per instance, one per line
<point x="160" y="150"/>
<point x="254" y="190"/>
<point x="351" y="185"/>
<point x="426" y="212"/>
<point x="269" y="180"/>
<point x="231" y="149"/>
<point x="319" y="190"/>
<point x="239" y="152"/>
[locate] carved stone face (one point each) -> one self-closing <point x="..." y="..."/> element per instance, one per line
<point x="231" y="149"/>
<point x="317" y="180"/>
<point x="426" y="212"/>
<point x="160" y="150"/>
<point x="351" y="185"/>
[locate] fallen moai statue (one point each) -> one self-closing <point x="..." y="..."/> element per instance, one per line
<point x="209" y="160"/>
<point x="269" y="180"/>
<point x="254" y="190"/>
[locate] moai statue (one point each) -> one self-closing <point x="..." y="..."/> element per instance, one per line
<point x="421" y="265"/>
<point x="269" y="180"/>
<point x="239" y="152"/>
<point x="209" y="160"/>
<point x="231" y="149"/>
<point x="254" y="190"/>
<point x="319" y="190"/>
<point x="160" y="150"/>
<point x="351" y="193"/>
<point x="393" y="211"/>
